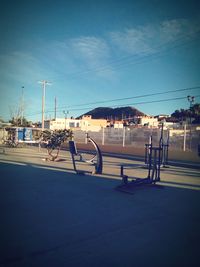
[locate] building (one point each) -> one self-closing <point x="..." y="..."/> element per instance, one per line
<point x="61" y="124"/>
<point x="118" y="124"/>
<point x="89" y="124"/>
<point x="162" y="116"/>
<point x="86" y="123"/>
<point x="148" y="121"/>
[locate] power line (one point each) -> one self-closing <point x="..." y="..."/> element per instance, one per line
<point x="129" y="104"/>
<point x="132" y="97"/>
<point x="125" y="98"/>
<point x="135" y="59"/>
<point x="138" y="60"/>
<point x="141" y="103"/>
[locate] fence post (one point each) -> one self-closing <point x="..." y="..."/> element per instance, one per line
<point x="184" y="138"/>
<point x="103" y="136"/>
<point x="124" y="135"/>
<point x="86" y="137"/>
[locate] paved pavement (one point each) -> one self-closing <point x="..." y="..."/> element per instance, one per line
<point x="52" y="217"/>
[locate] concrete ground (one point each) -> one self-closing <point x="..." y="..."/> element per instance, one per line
<point x="52" y="217"/>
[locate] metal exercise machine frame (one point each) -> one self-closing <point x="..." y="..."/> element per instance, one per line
<point x="164" y="150"/>
<point x="96" y="160"/>
<point x="153" y="175"/>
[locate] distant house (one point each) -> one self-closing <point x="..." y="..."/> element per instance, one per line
<point x="118" y="124"/>
<point x="147" y="121"/>
<point x="89" y="124"/>
<point x="86" y="123"/>
<point x="61" y="124"/>
<point x="162" y="116"/>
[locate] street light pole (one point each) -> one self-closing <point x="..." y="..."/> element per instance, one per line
<point x="22" y="105"/>
<point x="43" y="99"/>
<point x="65" y="113"/>
<point x="191" y="100"/>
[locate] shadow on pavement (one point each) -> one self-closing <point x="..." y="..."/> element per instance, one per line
<point x="53" y="217"/>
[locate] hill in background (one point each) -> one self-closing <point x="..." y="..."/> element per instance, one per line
<point x="113" y="113"/>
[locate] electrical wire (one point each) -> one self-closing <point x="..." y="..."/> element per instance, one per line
<point x="127" y="104"/>
<point x="138" y="59"/>
<point x="132" y="97"/>
<point x="139" y="103"/>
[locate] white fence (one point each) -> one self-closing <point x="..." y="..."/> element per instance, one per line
<point x="179" y="139"/>
<point x="182" y="139"/>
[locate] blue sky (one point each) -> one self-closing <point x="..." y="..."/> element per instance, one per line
<point x="95" y="51"/>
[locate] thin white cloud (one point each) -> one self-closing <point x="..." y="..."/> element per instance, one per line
<point x="147" y="39"/>
<point x="92" y="54"/>
<point x="89" y="53"/>
<point x="57" y="57"/>
<point x="94" y="51"/>
<point x="133" y="41"/>
<point x="76" y="56"/>
<point x="21" y="67"/>
<point x="172" y="30"/>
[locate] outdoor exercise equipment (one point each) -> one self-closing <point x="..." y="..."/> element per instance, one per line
<point x="165" y="152"/>
<point x="164" y="149"/>
<point x="95" y="159"/>
<point x="153" y="174"/>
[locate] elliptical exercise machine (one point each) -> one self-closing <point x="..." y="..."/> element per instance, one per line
<point x="95" y="159"/>
<point x="154" y="158"/>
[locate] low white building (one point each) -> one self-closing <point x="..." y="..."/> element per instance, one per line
<point x="118" y="125"/>
<point x="148" y="121"/>
<point x="84" y="124"/>
<point x="61" y="124"/>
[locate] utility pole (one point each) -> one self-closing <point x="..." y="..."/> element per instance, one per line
<point x="65" y="116"/>
<point x="191" y="100"/>
<point x="55" y="108"/>
<point x="44" y="83"/>
<point x="22" y="106"/>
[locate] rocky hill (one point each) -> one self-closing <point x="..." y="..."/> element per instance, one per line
<point x="113" y="113"/>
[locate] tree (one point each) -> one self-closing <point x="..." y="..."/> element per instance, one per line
<point x="196" y="109"/>
<point x="16" y="121"/>
<point x="196" y="113"/>
<point x="54" y="141"/>
<point x="176" y="114"/>
<point x="184" y="114"/>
